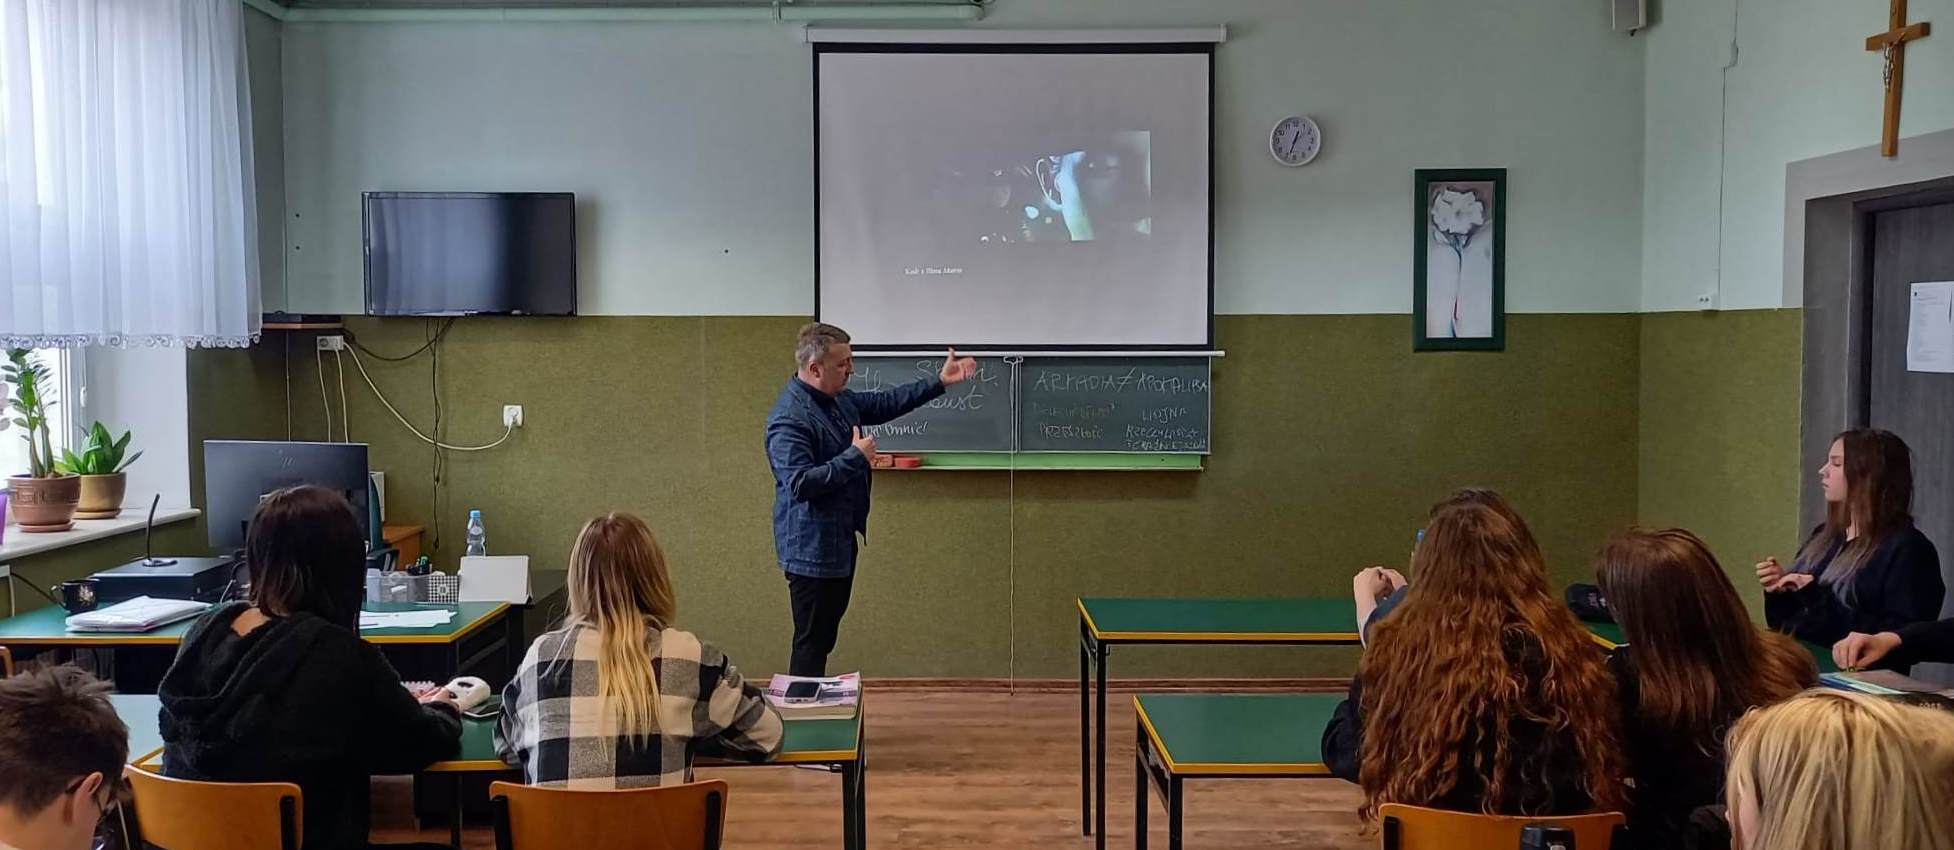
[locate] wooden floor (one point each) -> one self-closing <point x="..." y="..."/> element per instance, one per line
<point x="954" y="770"/>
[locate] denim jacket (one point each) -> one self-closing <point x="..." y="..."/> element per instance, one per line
<point x="820" y="481"/>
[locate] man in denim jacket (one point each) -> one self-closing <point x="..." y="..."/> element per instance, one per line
<point x="820" y="459"/>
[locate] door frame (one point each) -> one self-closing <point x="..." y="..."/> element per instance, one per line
<point x="1829" y="203"/>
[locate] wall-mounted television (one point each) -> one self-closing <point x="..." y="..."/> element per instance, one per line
<point x="470" y="253"/>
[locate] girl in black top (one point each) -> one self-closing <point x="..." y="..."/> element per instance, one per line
<point x="1867" y="569"/>
<point x="282" y="688"/>
<point x="1692" y="664"/>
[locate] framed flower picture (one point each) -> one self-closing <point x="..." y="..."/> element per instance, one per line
<point x="1459" y="265"/>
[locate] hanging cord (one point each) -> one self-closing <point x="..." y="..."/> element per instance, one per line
<point x="438" y="336"/>
<point x="345" y="416"/>
<point x="325" y="401"/>
<point x="1011" y="501"/>
<point x="361" y="366"/>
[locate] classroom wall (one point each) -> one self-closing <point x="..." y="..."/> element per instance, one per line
<point x="1331" y="441"/>
<point x="264" y="57"/>
<point x="1803" y="85"/>
<point x="691" y="208"/>
<point x="1718" y="435"/>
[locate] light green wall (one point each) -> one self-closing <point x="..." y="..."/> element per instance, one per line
<point x="687" y="146"/>
<point x="1718" y="448"/>
<point x="1803" y="85"/>
<point x="1331" y="440"/>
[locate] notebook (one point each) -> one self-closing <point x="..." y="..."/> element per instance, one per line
<point x="140" y="614"/>
<point x="839" y="697"/>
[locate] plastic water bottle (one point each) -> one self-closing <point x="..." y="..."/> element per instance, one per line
<point x="477" y="537"/>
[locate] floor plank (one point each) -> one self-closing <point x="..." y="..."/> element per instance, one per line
<point x="985" y="770"/>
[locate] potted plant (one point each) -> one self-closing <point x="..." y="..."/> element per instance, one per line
<point x="101" y="466"/>
<point x="44" y="499"/>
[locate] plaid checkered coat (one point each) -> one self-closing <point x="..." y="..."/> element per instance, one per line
<point x="556" y="728"/>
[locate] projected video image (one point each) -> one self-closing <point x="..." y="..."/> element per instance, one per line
<point x="1098" y="188"/>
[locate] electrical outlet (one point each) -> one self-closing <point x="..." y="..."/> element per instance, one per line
<point x="332" y="342"/>
<point x="1706" y="301"/>
<point x="512" y="416"/>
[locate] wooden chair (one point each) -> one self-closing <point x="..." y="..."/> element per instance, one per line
<point x="674" y="817"/>
<point x="179" y="814"/>
<point x="1417" y="828"/>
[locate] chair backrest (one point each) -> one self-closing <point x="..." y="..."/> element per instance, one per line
<point x="180" y="814"/>
<point x="675" y="817"/>
<point x="1418" y="828"/>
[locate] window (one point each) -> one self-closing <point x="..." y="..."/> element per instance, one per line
<point x="66" y="418"/>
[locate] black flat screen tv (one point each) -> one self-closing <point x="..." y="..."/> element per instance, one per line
<point x="470" y="253"/>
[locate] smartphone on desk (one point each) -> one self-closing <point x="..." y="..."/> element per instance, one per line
<point x="803" y="692"/>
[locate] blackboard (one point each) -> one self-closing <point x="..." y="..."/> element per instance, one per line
<point x="973" y="416"/>
<point x="1114" y="405"/>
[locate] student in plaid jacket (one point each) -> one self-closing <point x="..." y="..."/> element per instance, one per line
<point x="617" y="698"/>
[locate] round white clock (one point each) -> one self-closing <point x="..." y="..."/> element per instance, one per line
<point x="1295" y="140"/>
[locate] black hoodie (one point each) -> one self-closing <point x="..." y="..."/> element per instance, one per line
<point x="300" y="700"/>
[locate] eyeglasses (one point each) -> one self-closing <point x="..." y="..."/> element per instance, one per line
<point x="114" y="792"/>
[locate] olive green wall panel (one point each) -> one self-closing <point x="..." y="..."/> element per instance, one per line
<point x="1332" y="438"/>
<point x="1719" y="442"/>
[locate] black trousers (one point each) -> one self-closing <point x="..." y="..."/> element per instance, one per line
<point x="818" y="605"/>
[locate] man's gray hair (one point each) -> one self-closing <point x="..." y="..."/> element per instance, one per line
<point x="814" y="341"/>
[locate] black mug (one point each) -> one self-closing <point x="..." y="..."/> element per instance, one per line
<point x="78" y="596"/>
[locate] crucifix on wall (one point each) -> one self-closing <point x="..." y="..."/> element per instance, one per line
<point x="1892" y="47"/>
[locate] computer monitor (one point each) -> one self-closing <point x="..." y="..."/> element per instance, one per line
<point x="239" y="473"/>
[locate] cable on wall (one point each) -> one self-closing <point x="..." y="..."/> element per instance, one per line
<point x="361" y="366"/>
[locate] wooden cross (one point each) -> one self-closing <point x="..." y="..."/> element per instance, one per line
<point x="1892" y="45"/>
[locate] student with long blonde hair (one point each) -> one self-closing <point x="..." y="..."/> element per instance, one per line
<point x="1481" y="692"/>
<point x="1835" y="770"/>
<point x="618" y="697"/>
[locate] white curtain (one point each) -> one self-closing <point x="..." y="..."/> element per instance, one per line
<point x="127" y="212"/>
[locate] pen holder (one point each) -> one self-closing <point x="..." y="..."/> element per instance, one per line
<point x="401" y="587"/>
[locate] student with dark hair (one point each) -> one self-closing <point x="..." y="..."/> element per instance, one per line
<point x="1867" y="568"/>
<point x="1693" y="663"/>
<point x="282" y="689"/>
<point x="61" y="755"/>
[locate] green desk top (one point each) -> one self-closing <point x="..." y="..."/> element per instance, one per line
<point x="807" y="741"/>
<point x="139" y="713"/>
<point x="1276" y="620"/>
<point x="1610" y="635"/>
<point x="1261" y="734"/>
<point x="48" y="627"/>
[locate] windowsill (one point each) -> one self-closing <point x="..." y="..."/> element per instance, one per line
<point x="20" y="544"/>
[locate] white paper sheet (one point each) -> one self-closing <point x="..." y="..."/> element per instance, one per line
<point x="404" y="619"/>
<point x="1930" y="327"/>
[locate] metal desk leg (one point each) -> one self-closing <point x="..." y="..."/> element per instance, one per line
<point x="851" y="800"/>
<point x="1141" y="788"/>
<point x="454" y="816"/>
<point x="861" y="787"/>
<point x="1173" y="813"/>
<point x="1085" y="730"/>
<point x="1099" y="735"/>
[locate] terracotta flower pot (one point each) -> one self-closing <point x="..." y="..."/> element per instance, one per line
<point x="101" y="495"/>
<point x="44" y="504"/>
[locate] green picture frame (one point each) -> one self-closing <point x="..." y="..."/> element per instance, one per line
<point x="1458" y="279"/>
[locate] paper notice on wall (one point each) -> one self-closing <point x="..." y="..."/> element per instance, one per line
<point x="1930" y="328"/>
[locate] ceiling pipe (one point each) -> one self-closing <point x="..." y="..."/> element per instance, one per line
<point x="781" y="12"/>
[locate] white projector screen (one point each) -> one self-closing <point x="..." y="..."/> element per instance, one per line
<point x="1027" y="196"/>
